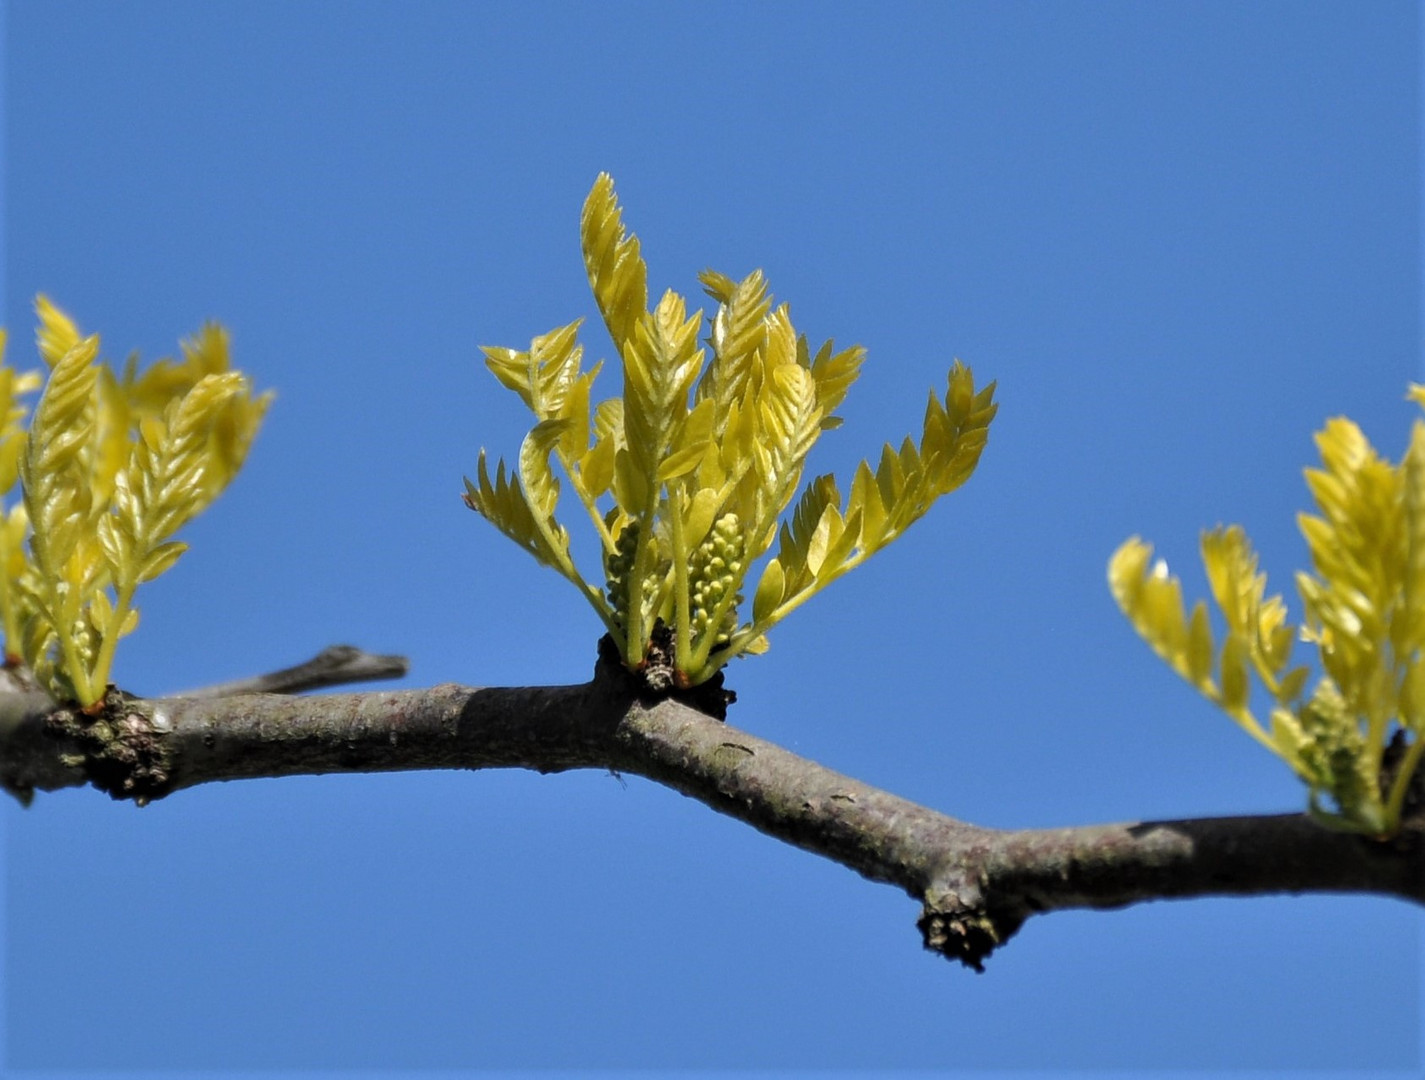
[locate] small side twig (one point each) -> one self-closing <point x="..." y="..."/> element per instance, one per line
<point x="339" y="665"/>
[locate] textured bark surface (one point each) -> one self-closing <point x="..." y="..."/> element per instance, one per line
<point x="976" y="885"/>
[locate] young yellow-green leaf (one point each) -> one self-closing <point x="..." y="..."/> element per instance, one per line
<point x="769" y="592"/>
<point x="1152" y="600"/>
<point x="793" y="553"/>
<point x="541" y="487"/>
<point x="890" y="478"/>
<point x="574" y="410"/>
<point x="1199" y="648"/>
<point x="1232" y="573"/>
<point x="630" y="486"/>
<point x="616" y="270"/>
<point x="1235" y="684"/>
<point x="757" y="646"/>
<point x="790" y="412"/>
<point x="827" y="530"/>
<point x="833" y="372"/>
<point x="502" y="503"/>
<point x="781" y="342"/>
<point x="511" y="370"/>
<point x="1412" y="697"/>
<point x="1362" y="611"/>
<point x="843" y="542"/>
<point x="13" y="526"/>
<point x="608" y="420"/>
<point x="1290" y="686"/>
<point x="596" y="468"/>
<point x="1408" y="628"/>
<point x="171" y="473"/>
<point x="166" y="380"/>
<point x="955" y="432"/>
<point x="717" y="472"/>
<point x="1163" y="614"/>
<point x="1320" y="542"/>
<point x="12" y="414"/>
<point x="681" y="462"/>
<point x="544" y="375"/>
<point x="661" y="360"/>
<point x="719" y="286"/>
<point x="865" y="499"/>
<point x="790" y="423"/>
<point x="160" y="559"/>
<point x="232" y="435"/>
<point x="690" y="443"/>
<point x="1126" y="568"/>
<point x="101" y="610"/>
<point x="702" y="511"/>
<point x="1343" y="447"/>
<point x="739" y="339"/>
<point x="57" y="332"/>
<point x="111" y="467"/>
<point x="738" y="439"/>
<point x="54" y="469"/>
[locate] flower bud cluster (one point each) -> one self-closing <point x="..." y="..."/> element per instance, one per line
<point x="618" y="566"/>
<point x="1331" y="746"/>
<point x="82" y="635"/>
<point x="714" y="569"/>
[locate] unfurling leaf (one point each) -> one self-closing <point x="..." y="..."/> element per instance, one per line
<point x="1364" y="611"/>
<point x="686" y="476"/>
<point x="113" y="465"/>
<point x="611" y="257"/>
<point x="540" y="486"/>
<point x="502" y="503"/>
<point x="160" y="559"/>
<point x="1235" y="686"/>
<point x="769" y="592"/>
<point x="1199" y="647"/>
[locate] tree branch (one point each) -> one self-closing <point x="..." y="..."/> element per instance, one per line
<point x="338" y="665"/>
<point x="976" y="885"/>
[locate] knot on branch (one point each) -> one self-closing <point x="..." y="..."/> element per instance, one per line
<point x="121" y="748"/>
<point x="957" y="924"/>
<point x="658" y="677"/>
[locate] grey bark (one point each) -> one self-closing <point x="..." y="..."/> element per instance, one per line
<point x="976" y="885"/>
<point x="337" y="665"/>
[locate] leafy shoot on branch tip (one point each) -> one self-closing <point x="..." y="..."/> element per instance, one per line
<point x="686" y="475"/>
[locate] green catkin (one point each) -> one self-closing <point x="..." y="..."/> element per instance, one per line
<point x="1334" y="750"/>
<point x="712" y="571"/>
<point x="618" y="565"/>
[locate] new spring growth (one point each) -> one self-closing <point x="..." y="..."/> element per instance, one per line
<point x="1355" y="736"/>
<point x="114" y="463"/>
<point x="686" y="476"/>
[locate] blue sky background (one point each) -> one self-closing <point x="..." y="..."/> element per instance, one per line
<point x="1179" y="235"/>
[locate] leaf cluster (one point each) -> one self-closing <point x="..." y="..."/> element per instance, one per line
<point x="112" y="465"/>
<point x="685" y="477"/>
<point x="1364" y="606"/>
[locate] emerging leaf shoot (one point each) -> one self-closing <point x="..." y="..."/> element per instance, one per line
<point x="113" y="465"/>
<point x="1356" y="738"/>
<point x="686" y="476"/>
